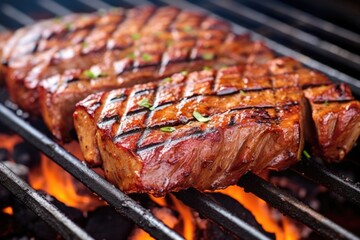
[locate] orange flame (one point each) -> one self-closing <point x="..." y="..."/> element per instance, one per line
<point x="262" y="214"/>
<point x="52" y="179"/>
<point x="186" y="216"/>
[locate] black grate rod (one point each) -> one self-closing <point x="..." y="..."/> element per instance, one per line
<point x="45" y="210"/>
<point x="311" y="20"/>
<point x="96" y="4"/>
<point x="54" y="7"/>
<point x="294" y="208"/>
<point x="16" y="14"/>
<point x="322" y="175"/>
<point x="210" y="209"/>
<point x="278" y="48"/>
<point x="316" y="43"/>
<point x="120" y="201"/>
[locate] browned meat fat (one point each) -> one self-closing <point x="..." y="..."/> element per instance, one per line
<point x="203" y="130"/>
<point x="4" y="36"/>
<point x="336" y="116"/>
<point x="86" y="53"/>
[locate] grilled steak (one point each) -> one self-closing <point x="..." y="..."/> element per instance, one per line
<point x="202" y="130"/>
<point x="60" y="93"/>
<point x="336" y="117"/>
<point x="86" y="53"/>
<point x="3" y="39"/>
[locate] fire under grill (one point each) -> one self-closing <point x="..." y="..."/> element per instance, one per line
<point x="288" y="31"/>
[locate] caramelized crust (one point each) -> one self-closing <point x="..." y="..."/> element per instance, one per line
<point x="256" y="120"/>
<point x="60" y="93"/>
<point x="336" y="116"/>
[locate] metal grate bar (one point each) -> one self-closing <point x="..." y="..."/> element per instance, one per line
<point x="292" y="207"/>
<point x="54" y="7"/>
<point x="311" y="20"/>
<point x="120" y="201"/>
<point x="278" y="48"/>
<point x="306" y="40"/>
<point x="210" y="209"/>
<point x="16" y="15"/>
<point x="320" y="174"/>
<point x="47" y="211"/>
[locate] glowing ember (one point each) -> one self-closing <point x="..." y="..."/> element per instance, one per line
<point x="8" y="210"/>
<point x="186" y="216"/>
<point x="52" y="179"/>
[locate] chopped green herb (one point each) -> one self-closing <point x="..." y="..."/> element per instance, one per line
<point x="306" y="154"/>
<point x="187" y="28"/>
<point x="242" y="93"/>
<point x="167" y="80"/>
<point x="207" y="68"/>
<point x="94" y="74"/>
<point x="184" y="73"/>
<point x="145" y="103"/>
<point x="326" y="103"/>
<point x="208" y="56"/>
<point x="131" y="55"/>
<point x="57" y="19"/>
<point x="69" y="27"/>
<point x="135" y="36"/>
<point x="167" y="129"/>
<point x="224" y="66"/>
<point x="146" y="57"/>
<point x="200" y="117"/>
<point x="84" y="44"/>
<point x="169" y="42"/>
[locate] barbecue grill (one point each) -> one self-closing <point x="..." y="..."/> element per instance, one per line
<point x="286" y="29"/>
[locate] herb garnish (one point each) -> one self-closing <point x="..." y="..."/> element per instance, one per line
<point x="84" y="44"/>
<point x="131" y="55"/>
<point x="135" y="36"/>
<point x="145" y="103"/>
<point x="207" y="68"/>
<point x="146" y="57"/>
<point x="326" y="103"/>
<point x="167" y="80"/>
<point x="184" y="73"/>
<point x="187" y="28"/>
<point x="94" y="74"/>
<point x="242" y="93"/>
<point x="167" y="129"/>
<point x="306" y="154"/>
<point x="208" y="56"/>
<point x="69" y="27"/>
<point x="200" y="117"/>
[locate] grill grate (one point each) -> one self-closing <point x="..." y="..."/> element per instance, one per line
<point x="285" y="202"/>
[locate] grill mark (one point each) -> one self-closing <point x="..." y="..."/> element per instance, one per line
<point x="333" y="101"/>
<point x="119" y="98"/>
<point x="174" y="141"/>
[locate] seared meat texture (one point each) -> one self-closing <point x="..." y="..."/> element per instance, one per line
<point x="85" y="53"/>
<point x="336" y="116"/>
<point x="4" y="36"/>
<point x="204" y="129"/>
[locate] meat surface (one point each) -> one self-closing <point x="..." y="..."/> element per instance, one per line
<point x="203" y="130"/>
<point x="4" y="36"/>
<point x="64" y="60"/>
<point x="60" y="93"/>
<point x="336" y="117"/>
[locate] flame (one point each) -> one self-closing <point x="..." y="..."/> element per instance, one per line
<point x="8" y="210"/>
<point x="52" y="179"/>
<point x="164" y="214"/>
<point x="186" y="217"/>
<point x="263" y="214"/>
